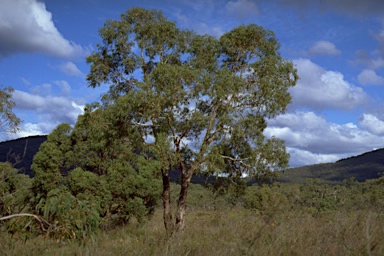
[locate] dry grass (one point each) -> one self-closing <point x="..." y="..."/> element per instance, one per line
<point x="230" y="232"/>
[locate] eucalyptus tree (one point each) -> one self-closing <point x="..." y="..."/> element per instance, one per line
<point x="9" y="122"/>
<point x="197" y="103"/>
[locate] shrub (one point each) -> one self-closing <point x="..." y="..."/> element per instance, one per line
<point x="265" y="199"/>
<point x="70" y="217"/>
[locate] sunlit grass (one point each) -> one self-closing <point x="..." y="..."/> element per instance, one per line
<point x="234" y="231"/>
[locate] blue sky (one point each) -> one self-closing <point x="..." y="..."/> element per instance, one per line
<point x="337" y="46"/>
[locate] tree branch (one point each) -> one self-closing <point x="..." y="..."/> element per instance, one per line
<point x="142" y="125"/>
<point x="38" y="218"/>
<point x="239" y="160"/>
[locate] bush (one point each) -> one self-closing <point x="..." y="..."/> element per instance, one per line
<point x="70" y="217"/>
<point x="14" y="190"/>
<point x="14" y="199"/>
<point x="265" y="199"/>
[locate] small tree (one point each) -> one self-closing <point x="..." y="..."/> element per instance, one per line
<point x="93" y="168"/>
<point x="9" y="122"/>
<point x="198" y="103"/>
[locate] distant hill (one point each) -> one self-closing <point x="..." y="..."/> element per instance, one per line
<point x="369" y="165"/>
<point x="21" y="151"/>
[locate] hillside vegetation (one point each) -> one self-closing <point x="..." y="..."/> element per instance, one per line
<point x="283" y="219"/>
<point x="369" y="165"/>
<point x="20" y="152"/>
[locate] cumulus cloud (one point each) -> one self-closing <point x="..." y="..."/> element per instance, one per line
<point x="322" y="141"/>
<point x="369" y="77"/>
<point x="373" y="124"/>
<point x="27" y="26"/>
<point x="300" y="157"/>
<point x="242" y="8"/>
<point x="54" y="109"/>
<point x="42" y="110"/>
<point x="322" y="89"/>
<point x="323" y="48"/>
<point x="29" y="129"/>
<point x="70" y="69"/>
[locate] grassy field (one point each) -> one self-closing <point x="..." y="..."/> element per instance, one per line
<point x="232" y="231"/>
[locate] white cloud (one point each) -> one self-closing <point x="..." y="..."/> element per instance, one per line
<point x="27" y="26"/>
<point x="31" y="129"/>
<point x="372" y="124"/>
<point x="242" y="8"/>
<point x="41" y="114"/>
<point x="300" y="157"/>
<point x="322" y="89"/>
<point x="323" y="48"/>
<point x="55" y="109"/>
<point x="322" y="141"/>
<point x="70" y="69"/>
<point x="369" y="77"/>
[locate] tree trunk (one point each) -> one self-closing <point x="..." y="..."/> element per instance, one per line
<point x="181" y="203"/>
<point x="166" y="197"/>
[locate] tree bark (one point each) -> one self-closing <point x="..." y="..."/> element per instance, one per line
<point x="181" y="203"/>
<point x="166" y="197"/>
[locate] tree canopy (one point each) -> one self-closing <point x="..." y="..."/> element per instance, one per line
<point x="195" y="102"/>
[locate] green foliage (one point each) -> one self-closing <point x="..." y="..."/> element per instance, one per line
<point x="188" y="86"/>
<point x="15" y="196"/>
<point x="93" y="168"/>
<point x="90" y="188"/>
<point x="71" y="218"/>
<point x="14" y="190"/>
<point x="50" y="163"/>
<point x="317" y="194"/>
<point x="9" y="122"/>
<point x="203" y="102"/>
<point x="265" y="199"/>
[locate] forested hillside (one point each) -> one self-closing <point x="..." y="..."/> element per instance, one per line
<point x="20" y="152"/>
<point x="369" y="165"/>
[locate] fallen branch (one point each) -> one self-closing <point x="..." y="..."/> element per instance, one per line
<point x="38" y="218"/>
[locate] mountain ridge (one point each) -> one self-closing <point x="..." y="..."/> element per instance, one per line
<point x="368" y="165"/>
